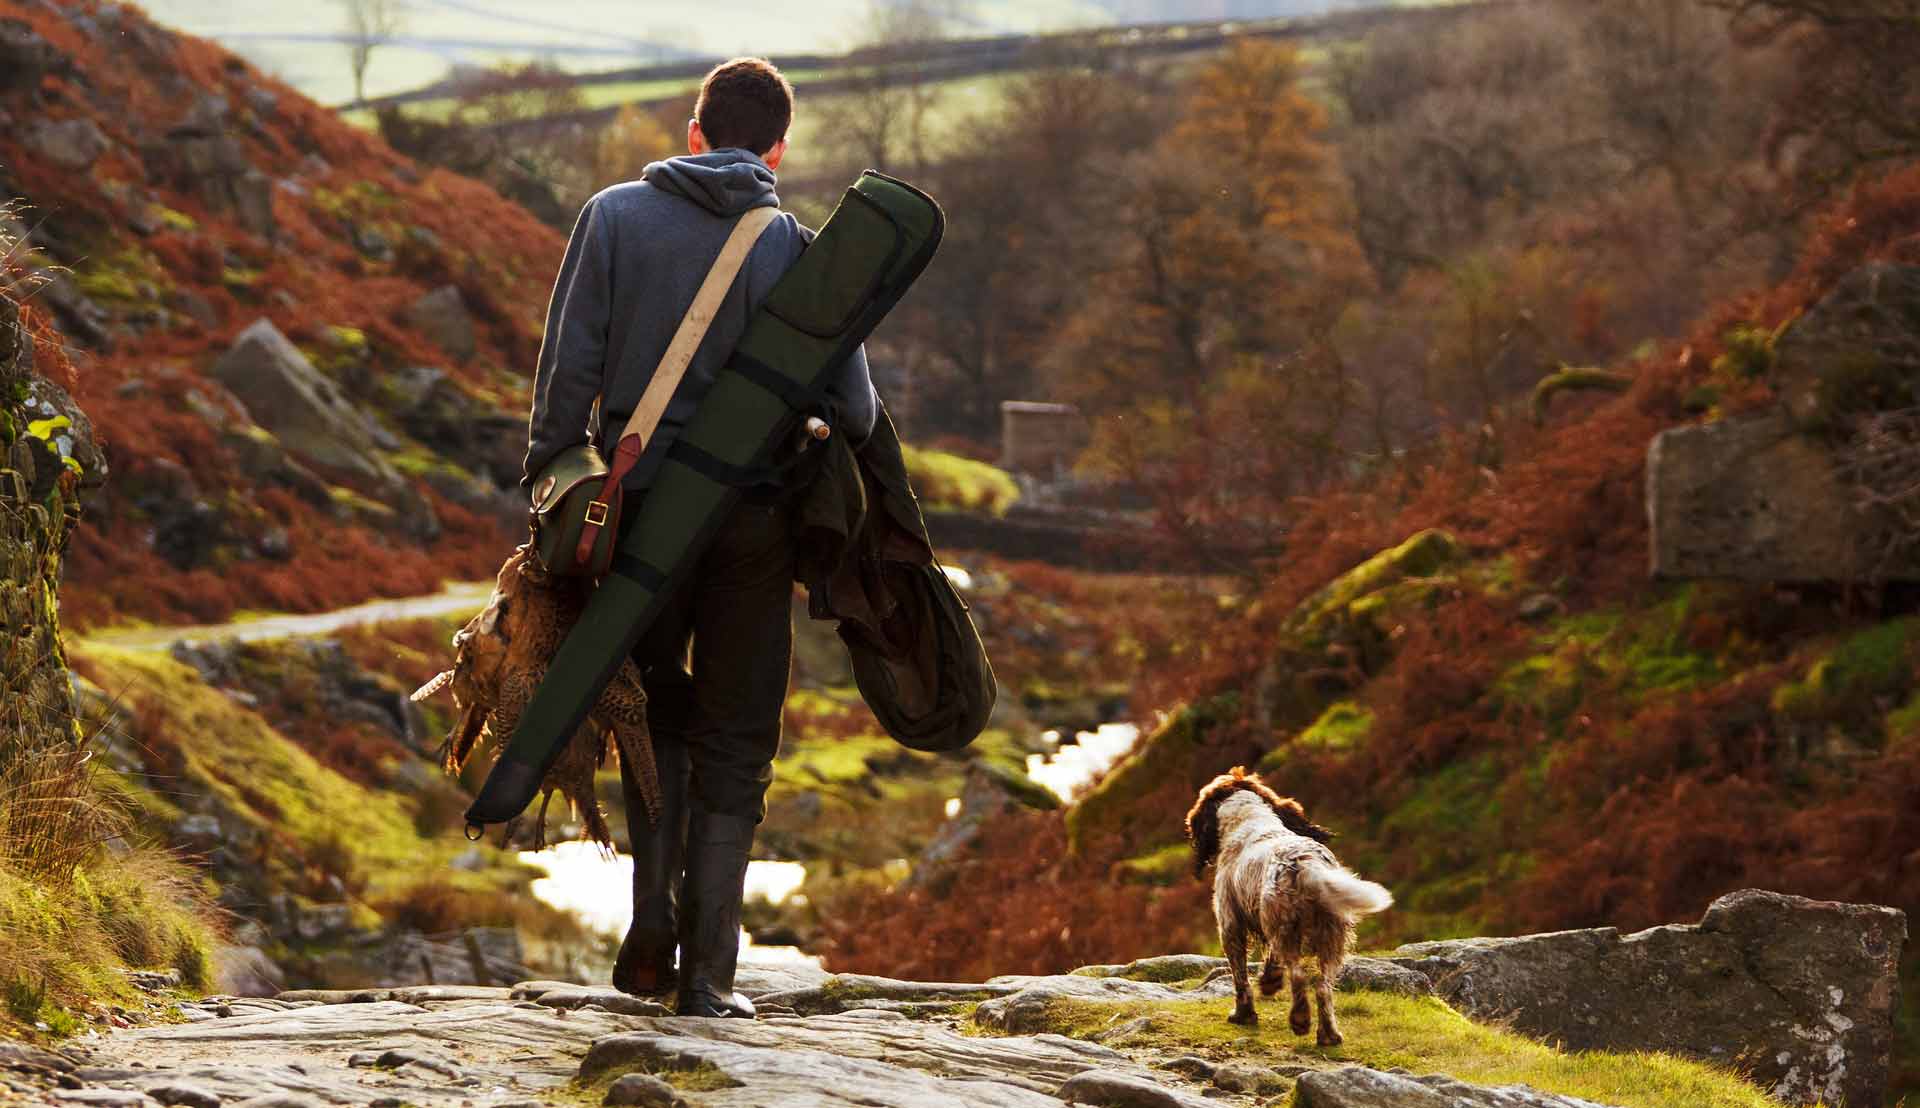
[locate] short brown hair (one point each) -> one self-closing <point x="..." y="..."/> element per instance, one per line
<point x="747" y="103"/>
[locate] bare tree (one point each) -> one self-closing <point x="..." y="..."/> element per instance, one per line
<point x="882" y="116"/>
<point x="370" y="23"/>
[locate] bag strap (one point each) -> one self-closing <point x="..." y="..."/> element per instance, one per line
<point x="673" y="365"/>
<point x="694" y="325"/>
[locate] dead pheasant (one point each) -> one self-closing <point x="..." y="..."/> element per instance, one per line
<point x="499" y="658"/>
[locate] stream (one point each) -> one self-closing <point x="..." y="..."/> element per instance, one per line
<point x="597" y="887"/>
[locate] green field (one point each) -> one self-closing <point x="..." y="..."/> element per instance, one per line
<point x="291" y="39"/>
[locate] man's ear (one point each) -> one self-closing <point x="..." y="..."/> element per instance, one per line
<point x="774" y="155"/>
<point x="696" y="138"/>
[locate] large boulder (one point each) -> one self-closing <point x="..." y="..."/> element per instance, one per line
<point x="1799" y="993"/>
<point x="1756" y="500"/>
<point x="283" y="392"/>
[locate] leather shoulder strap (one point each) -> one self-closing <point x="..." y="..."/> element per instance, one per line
<point x="693" y="328"/>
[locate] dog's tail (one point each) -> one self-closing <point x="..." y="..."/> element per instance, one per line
<point x="1341" y="892"/>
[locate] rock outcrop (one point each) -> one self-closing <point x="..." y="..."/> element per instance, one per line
<point x="1799" y="993"/>
<point x="1753" y="500"/>
<point x="283" y="392"/>
<point x="47" y="458"/>
<point x="1764" y="498"/>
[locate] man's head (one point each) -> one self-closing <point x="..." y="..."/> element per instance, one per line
<point x="745" y="103"/>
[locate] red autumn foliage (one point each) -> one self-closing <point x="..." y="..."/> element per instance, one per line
<point x="1634" y="810"/>
<point x="135" y="81"/>
<point x="1025" y="907"/>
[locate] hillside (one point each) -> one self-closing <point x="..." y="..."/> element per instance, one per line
<point x="180" y="197"/>
<point x="1467" y="672"/>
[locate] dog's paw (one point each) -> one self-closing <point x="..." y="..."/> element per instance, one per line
<point x="1244" y="1017"/>
<point x="1329" y="1037"/>
<point x="1271" y="980"/>
<point x="1300" y="1020"/>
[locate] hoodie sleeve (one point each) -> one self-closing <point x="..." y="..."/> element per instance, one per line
<point x="573" y="351"/>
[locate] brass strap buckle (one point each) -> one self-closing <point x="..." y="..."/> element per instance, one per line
<point x="597" y="512"/>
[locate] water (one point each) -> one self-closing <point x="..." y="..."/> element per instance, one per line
<point x="598" y="889"/>
<point x="1071" y="768"/>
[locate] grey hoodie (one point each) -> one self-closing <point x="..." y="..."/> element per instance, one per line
<point x="638" y="254"/>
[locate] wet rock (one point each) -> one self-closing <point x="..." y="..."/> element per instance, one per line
<point x="188" y="1096"/>
<point x="442" y="316"/>
<point x="854" y="990"/>
<point x="611" y="1000"/>
<point x="1122" y="1090"/>
<point x="1359" y="1087"/>
<point x="643" y="1090"/>
<point x="1801" y="992"/>
<point x="72" y="144"/>
<point x="834" y="1060"/>
<point x="283" y="392"/>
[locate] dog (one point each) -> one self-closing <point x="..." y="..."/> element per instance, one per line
<point x="1276" y="882"/>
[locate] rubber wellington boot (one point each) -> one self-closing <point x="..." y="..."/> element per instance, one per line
<point x="717" y="849"/>
<point x="645" y="966"/>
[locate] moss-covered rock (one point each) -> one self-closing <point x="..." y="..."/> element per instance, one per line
<point x="1849" y="684"/>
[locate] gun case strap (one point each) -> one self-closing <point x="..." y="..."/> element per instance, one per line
<point x="673" y="364"/>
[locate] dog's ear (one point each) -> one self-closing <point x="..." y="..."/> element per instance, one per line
<point x="1295" y="817"/>
<point x="1203" y="822"/>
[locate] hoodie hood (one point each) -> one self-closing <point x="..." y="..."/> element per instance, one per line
<point x="725" y="182"/>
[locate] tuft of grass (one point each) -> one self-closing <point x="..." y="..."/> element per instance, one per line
<point x="1422" y="1035"/>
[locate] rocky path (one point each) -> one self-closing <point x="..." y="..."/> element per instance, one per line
<point x="458" y="598"/>
<point x="827" y="1041"/>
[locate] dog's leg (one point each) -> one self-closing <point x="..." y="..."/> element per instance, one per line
<point x="1233" y="941"/>
<point x="1331" y="952"/>
<point x="1329" y="1030"/>
<point x="1300" y="1016"/>
<point x="1273" y="974"/>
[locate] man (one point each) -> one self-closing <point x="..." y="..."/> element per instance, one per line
<point x="638" y="254"/>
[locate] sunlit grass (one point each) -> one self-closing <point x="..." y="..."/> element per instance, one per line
<point x="1421" y="1035"/>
